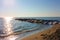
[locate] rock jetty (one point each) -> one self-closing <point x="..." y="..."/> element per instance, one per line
<point x="50" y="22"/>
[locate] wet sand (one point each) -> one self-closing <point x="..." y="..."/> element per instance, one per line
<point x="49" y="34"/>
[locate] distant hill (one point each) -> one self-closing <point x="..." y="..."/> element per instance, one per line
<point x="50" y="34"/>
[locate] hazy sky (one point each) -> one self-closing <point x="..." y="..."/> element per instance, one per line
<point x="30" y="8"/>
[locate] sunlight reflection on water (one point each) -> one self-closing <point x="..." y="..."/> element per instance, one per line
<point x="12" y="37"/>
<point x="6" y="29"/>
<point x="10" y="26"/>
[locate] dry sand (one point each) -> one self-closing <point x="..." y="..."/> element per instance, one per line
<point x="50" y="34"/>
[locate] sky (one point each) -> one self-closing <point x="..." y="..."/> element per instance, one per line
<point x="30" y="8"/>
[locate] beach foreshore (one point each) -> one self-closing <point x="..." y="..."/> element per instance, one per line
<point x="49" y="34"/>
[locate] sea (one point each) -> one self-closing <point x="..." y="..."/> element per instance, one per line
<point x="11" y="29"/>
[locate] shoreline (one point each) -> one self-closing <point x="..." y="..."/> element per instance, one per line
<point x="48" y="32"/>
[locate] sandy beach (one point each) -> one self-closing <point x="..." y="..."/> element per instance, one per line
<point x="49" y="34"/>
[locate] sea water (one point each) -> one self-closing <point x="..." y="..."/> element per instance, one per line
<point x="8" y="27"/>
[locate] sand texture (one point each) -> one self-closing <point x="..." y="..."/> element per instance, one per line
<point x="49" y="34"/>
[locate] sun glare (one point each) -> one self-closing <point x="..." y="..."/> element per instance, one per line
<point x="8" y="18"/>
<point x="8" y="25"/>
<point x="8" y="28"/>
